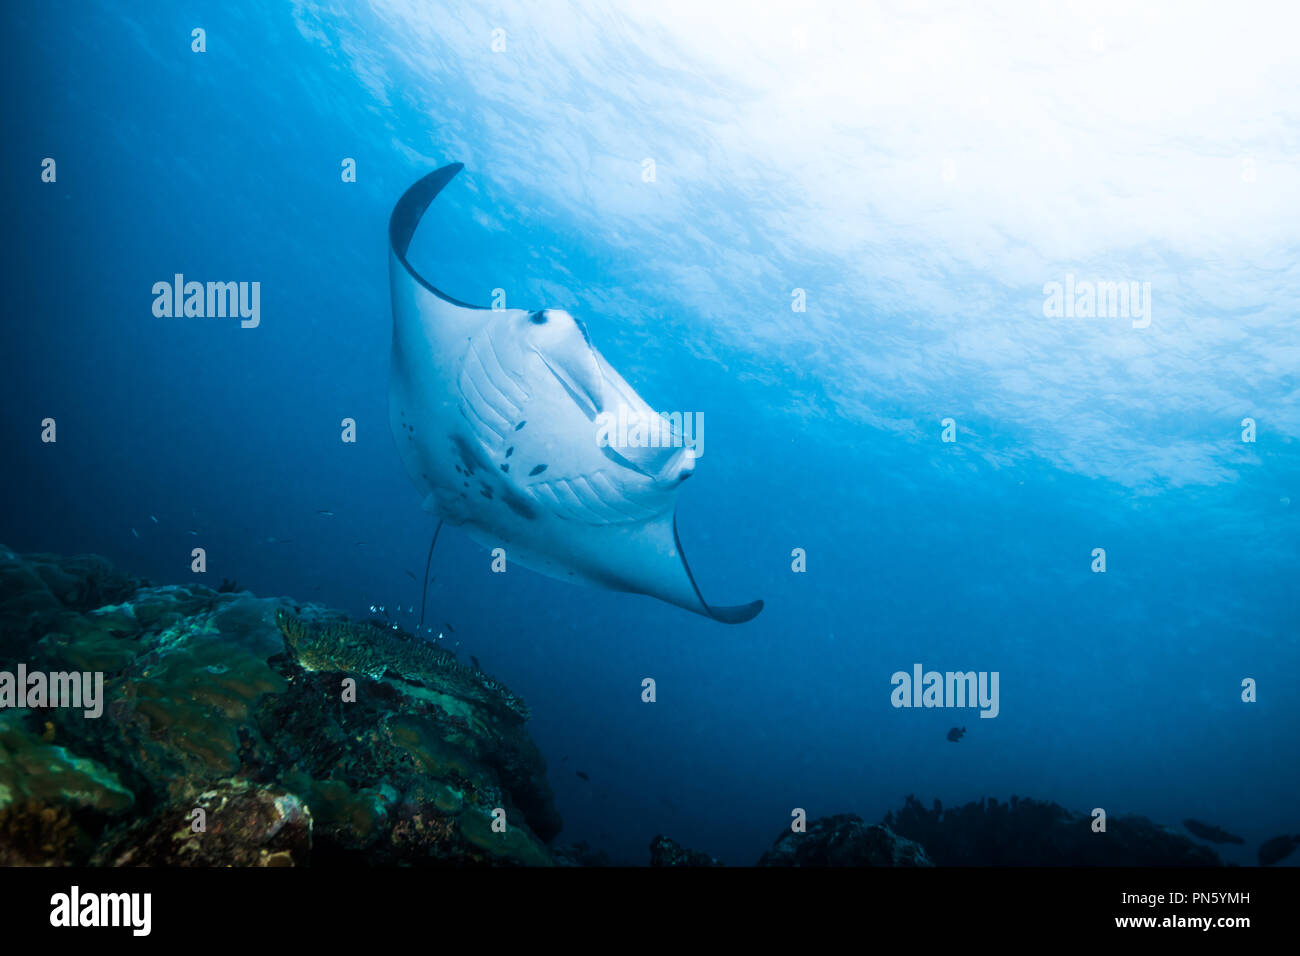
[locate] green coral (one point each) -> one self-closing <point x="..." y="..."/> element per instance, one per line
<point x="197" y="694"/>
<point x="31" y="769"/>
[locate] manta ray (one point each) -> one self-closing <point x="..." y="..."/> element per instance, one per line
<point x="497" y="415"/>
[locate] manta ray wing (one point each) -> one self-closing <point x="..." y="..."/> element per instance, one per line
<point x="495" y="417"/>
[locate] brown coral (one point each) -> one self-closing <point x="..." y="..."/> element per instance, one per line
<point x="33" y="833"/>
<point x="369" y="649"/>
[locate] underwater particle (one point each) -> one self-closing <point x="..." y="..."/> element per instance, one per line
<point x="537" y="470"/>
<point x="956" y="734"/>
<point x="1277" y="849"/>
<point x="193" y="532"/>
<point x="583" y="776"/>
<point x="450" y="629"/>
<point x="153" y="519"/>
<point x="328" y="514"/>
<point x="134" y="532"/>
<point x="1211" y="833"/>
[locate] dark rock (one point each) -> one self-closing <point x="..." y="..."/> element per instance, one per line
<point x="1277" y="849"/>
<point x="1212" y="833"/>
<point x="1026" y="832"/>
<point x="579" y="854"/>
<point x="844" y="840"/>
<point x="668" y="852"/>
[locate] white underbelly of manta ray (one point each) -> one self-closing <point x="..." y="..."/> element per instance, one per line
<point x="496" y="414"/>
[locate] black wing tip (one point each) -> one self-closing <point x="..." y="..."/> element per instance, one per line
<point x="736" y="614"/>
<point x="411" y="207"/>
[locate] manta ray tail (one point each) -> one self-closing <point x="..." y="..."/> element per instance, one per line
<point x="424" y="598"/>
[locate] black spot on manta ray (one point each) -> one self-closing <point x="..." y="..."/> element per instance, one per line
<point x="510" y="451"/>
<point x="537" y="470"/>
<point x="521" y="424"/>
<point x="506" y="468"/>
<point x="485" y="491"/>
<point x="469" y="458"/>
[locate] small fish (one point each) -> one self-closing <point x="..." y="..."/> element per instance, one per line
<point x="193" y="532"/>
<point x="134" y="532"/>
<point x="328" y="514"/>
<point x="411" y="575"/>
<point x="450" y="629"/>
<point x="1213" y="834"/>
<point x="956" y="734"/>
<point x="153" y="519"/>
<point x="411" y="609"/>
<point x="1277" y="849"/>
<point x="583" y="776"/>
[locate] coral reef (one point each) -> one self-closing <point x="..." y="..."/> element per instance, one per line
<point x="36" y="834"/>
<point x="579" y="854"/>
<point x="668" y="852"/>
<point x="376" y="651"/>
<point x="297" y="736"/>
<point x="844" y="840"/>
<point x="1026" y="832"/>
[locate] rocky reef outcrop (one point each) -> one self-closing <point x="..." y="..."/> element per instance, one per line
<point x="1027" y="832"/>
<point x="246" y="731"/>
<point x="665" y="851"/>
<point x="844" y="840"/>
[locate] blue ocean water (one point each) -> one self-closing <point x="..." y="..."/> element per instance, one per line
<point x="921" y="178"/>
